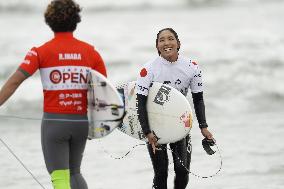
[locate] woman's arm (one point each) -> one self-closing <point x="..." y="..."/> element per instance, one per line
<point x="142" y="113"/>
<point x="199" y="108"/>
<point x="143" y="119"/>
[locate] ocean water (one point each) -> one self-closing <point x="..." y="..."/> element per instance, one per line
<point x="239" y="45"/>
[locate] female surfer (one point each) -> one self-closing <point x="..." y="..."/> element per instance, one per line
<point x="183" y="74"/>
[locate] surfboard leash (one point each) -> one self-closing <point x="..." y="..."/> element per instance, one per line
<point x="55" y="119"/>
<point x="189" y="150"/>
<point x="123" y="156"/>
<point x="21" y="162"/>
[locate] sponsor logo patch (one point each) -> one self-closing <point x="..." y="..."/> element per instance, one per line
<point x="186" y="118"/>
<point x="31" y="53"/>
<point x="162" y="95"/>
<point x="26" y="62"/>
<point x="57" y="76"/>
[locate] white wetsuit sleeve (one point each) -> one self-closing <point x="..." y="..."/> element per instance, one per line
<point x="144" y="81"/>
<point x="197" y="95"/>
<point x="196" y="84"/>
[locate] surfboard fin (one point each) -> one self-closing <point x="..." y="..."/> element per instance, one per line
<point x="206" y="143"/>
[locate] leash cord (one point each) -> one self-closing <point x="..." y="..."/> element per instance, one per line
<point x="182" y="163"/>
<point x="23" y="165"/>
<point x="63" y="120"/>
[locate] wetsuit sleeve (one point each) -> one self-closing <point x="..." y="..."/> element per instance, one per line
<point x="31" y="63"/>
<point x="142" y="113"/>
<point x="196" y="81"/>
<point x="143" y="83"/>
<point x="199" y="108"/>
<point x="196" y="86"/>
<point x="99" y="63"/>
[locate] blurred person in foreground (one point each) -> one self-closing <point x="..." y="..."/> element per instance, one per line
<point x="64" y="63"/>
<point x="183" y="74"/>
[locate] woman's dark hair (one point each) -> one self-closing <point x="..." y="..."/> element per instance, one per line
<point x="62" y="15"/>
<point x="173" y="32"/>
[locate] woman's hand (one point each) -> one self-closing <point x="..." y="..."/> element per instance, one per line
<point x="152" y="139"/>
<point x="206" y="133"/>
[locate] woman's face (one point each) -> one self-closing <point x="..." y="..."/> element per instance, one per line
<point x="168" y="46"/>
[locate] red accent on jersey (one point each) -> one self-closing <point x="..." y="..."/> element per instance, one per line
<point x="64" y="62"/>
<point x="194" y="63"/>
<point x="143" y="72"/>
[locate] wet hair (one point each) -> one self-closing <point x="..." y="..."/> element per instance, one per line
<point x="62" y="15"/>
<point x="170" y="30"/>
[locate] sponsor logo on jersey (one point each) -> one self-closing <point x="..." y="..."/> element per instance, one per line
<point x="198" y="75"/>
<point x="178" y="81"/>
<point x="141" y="88"/>
<point x="32" y="53"/>
<point x="26" y="62"/>
<point x="57" y="76"/>
<point x="64" y="78"/>
<point x="62" y="96"/>
<point x="167" y="82"/>
<point x="69" y="56"/>
<point x="70" y="102"/>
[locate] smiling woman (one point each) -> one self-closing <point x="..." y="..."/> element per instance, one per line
<point x="182" y="74"/>
<point x="168" y="44"/>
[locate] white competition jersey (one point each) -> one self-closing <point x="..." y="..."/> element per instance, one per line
<point x="182" y="75"/>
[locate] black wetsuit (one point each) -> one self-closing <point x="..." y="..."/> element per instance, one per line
<point x="160" y="162"/>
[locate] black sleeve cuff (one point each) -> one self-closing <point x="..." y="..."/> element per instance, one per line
<point x="203" y="125"/>
<point x="146" y="132"/>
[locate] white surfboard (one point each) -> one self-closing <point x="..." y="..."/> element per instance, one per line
<point x="169" y="113"/>
<point x="105" y="106"/>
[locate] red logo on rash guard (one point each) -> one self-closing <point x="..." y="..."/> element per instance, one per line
<point x="55" y="76"/>
<point x="143" y="72"/>
<point x="194" y="63"/>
